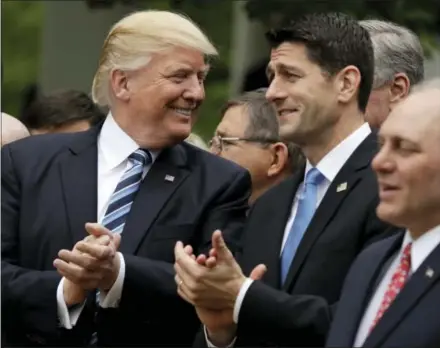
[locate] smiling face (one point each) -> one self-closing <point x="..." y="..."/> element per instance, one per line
<point x="408" y="164"/>
<point x="304" y="97"/>
<point x="161" y="99"/>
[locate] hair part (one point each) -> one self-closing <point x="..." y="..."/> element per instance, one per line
<point x="133" y="40"/>
<point x="333" y="41"/>
<point x="396" y="50"/>
<point x="263" y="121"/>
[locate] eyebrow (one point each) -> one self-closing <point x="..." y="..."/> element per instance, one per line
<point x="394" y="137"/>
<point x="188" y="69"/>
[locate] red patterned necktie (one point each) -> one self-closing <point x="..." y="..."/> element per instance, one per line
<point x="397" y="282"/>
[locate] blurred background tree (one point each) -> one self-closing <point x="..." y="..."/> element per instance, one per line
<point x="22" y="28"/>
<point x="422" y="16"/>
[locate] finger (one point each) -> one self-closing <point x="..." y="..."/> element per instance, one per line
<point x="188" y="249"/>
<point x="193" y="256"/>
<point x="211" y="262"/>
<point x="258" y="272"/>
<point x="219" y="245"/>
<point x="212" y="252"/>
<point x="75" y="273"/>
<point x="95" y="250"/>
<point x="80" y="259"/>
<point x="97" y="230"/>
<point x="182" y="295"/>
<point x="117" y="241"/>
<point x="102" y="240"/>
<point x="183" y="277"/>
<point x="201" y="259"/>
<point x="184" y="260"/>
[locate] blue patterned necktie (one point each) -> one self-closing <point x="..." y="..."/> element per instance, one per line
<point x="304" y="214"/>
<point x="122" y="200"/>
<point x="125" y="192"/>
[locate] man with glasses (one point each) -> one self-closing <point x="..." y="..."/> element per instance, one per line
<point x="248" y="135"/>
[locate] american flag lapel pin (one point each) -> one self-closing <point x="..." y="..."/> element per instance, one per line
<point x="169" y="178"/>
<point x="341" y="187"/>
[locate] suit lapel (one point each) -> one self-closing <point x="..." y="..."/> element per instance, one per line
<point x="269" y="238"/>
<point x="79" y="180"/>
<point x="420" y="283"/>
<point x="153" y="194"/>
<point x="348" y="177"/>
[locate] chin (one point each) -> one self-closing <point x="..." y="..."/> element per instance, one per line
<point x="180" y="135"/>
<point x="389" y="214"/>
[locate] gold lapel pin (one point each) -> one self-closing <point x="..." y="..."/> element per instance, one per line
<point x="429" y="272"/>
<point x="341" y="187"/>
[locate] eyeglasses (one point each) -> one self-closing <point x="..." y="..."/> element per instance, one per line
<point x="217" y="142"/>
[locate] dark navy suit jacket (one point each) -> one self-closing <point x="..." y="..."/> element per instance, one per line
<point x="412" y="320"/>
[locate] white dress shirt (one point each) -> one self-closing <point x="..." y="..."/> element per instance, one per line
<point x="420" y="249"/>
<point x="329" y="166"/>
<point x="114" y="148"/>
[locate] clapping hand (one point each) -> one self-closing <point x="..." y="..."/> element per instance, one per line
<point x="212" y="283"/>
<point x="93" y="263"/>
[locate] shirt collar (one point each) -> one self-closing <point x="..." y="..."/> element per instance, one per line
<point x="332" y="162"/>
<point x="421" y="247"/>
<point x="115" y="145"/>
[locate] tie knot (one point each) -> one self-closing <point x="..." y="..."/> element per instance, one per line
<point x="141" y="156"/>
<point x="314" y="176"/>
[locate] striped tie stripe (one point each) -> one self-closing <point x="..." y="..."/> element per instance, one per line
<point x="125" y="192"/>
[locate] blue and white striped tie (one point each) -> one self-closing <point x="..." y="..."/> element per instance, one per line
<point x="122" y="199"/>
<point x="125" y="192"/>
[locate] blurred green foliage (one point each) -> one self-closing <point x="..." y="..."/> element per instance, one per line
<point x="422" y="16"/>
<point x="21" y="39"/>
<point x="22" y="31"/>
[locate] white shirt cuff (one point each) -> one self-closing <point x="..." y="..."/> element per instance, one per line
<point x="209" y="343"/>
<point x="112" y="298"/>
<point x="240" y="298"/>
<point x="66" y="318"/>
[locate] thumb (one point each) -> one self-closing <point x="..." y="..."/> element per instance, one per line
<point x="98" y="230"/>
<point x="258" y="272"/>
<point x="219" y="245"/>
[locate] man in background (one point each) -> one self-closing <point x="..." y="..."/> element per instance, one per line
<point x="60" y="112"/>
<point x="12" y="129"/>
<point x="248" y="134"/>
<point x="398" y="66"/>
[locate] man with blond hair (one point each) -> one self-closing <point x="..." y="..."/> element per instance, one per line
<point x="12" y="129"/>
<point x="90" y="219"/>
<point x="398" y="66"/>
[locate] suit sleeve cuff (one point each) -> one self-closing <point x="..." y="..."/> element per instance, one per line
<point x="67" y="318"/>
<point x="240" y="298"/>
<point x="112" y="298"/>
